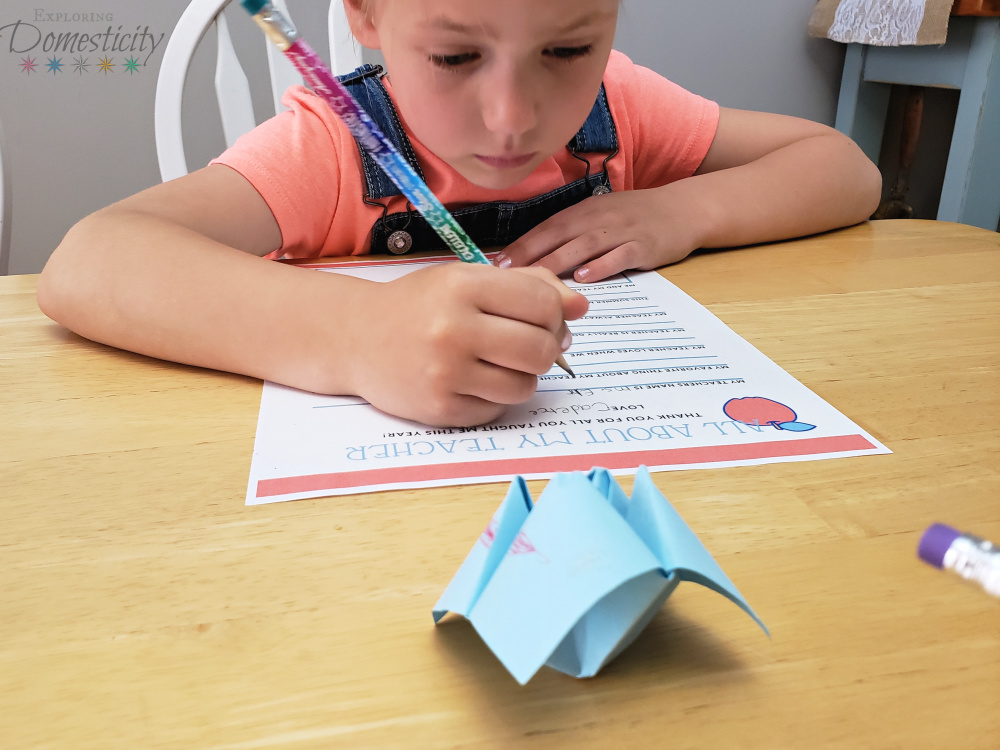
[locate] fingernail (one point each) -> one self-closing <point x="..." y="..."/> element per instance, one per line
<point x="502" y="261"/>
<point x="567" y="340"/>
<point x="582" y="273"/>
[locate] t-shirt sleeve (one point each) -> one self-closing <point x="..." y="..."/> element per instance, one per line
<point x="294" y="161"/>
<point x="670" y="128"/>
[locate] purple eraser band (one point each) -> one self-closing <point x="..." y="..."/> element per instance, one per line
<point x="935" y="543"/>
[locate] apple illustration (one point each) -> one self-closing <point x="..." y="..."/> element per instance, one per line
<point x="757" y="410"/>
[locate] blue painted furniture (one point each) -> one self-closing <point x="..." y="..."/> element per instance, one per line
<point x="970" y="62"/>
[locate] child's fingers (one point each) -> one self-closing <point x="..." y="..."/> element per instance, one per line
<point x="586" y="247"/>
<point x="501" y="385"/>
<point x="599" y="221"/>
<point x="486" y="390"/>
<point x="533" y="296"/>
<point x="578" y="235"/>
<point x="482" y="388"/>
<point x="622" y="258"/>
<point x="457" y="410"/>
<point x="514" y="346"/>
<point x="574" y="304"/>
<point x="554" y="232"/>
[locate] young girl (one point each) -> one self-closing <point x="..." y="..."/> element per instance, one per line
<point x="483" y="97"/>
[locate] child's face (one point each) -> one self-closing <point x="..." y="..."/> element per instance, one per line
<point x="494" y="87"/>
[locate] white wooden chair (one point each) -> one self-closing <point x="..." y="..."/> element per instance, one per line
<point x="231" y="85"/>
<point x="5" y="206"/>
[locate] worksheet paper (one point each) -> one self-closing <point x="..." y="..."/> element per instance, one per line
<point x="660" y="381"/>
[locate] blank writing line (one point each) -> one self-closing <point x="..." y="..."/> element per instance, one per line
<point x="577" y="363"/>
<point x="635" y="341"/>
<point x="603" y="310"/>
<point x="638" y="385"/>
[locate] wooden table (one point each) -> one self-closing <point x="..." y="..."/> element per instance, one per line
<point x="144" y="606"/>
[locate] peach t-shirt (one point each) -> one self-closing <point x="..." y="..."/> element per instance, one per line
<point x="305" y="163"/>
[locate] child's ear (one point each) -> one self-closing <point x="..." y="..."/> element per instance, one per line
<point x="359" y="16"/>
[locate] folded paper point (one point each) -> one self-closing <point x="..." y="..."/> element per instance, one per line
<point x="572" y="581"/>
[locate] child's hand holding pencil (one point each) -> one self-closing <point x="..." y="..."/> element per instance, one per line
<point x="460" y="342"/>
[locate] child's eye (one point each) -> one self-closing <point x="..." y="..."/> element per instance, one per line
<point x="568" y="53"/>
<point x="453" y="61"/>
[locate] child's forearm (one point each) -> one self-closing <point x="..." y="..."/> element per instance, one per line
<point x="812" y="185"/>
<point x="149" y="285"/>
<point x="765" y="178"/>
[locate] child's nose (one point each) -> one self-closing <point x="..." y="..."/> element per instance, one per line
<point x="508" y="105"/>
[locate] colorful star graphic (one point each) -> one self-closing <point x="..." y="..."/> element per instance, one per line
<point x="28" y="65"/>
<point x="54" y="66"/>
<point x="106" y="65"/>
<point x="80" y="65"/>
<point x="131" y="65"/>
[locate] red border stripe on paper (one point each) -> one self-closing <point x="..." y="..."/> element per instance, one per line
<point x="553" y="464"/>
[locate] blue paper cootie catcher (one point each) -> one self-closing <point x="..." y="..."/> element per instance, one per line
<point x="571" y="581"/>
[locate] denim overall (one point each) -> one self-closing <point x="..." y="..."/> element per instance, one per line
<point x="489" y="224"/>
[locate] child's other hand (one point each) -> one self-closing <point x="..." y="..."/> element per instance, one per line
<point x="607" y="234"/>
<point x="456" y="343"/>
<point x="766" y="177"/>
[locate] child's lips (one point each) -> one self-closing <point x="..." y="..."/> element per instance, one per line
<point x="507" y="161"/>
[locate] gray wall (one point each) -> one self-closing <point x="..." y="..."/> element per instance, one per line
<point x="81" y="139"/>
<point x="76" y="140"/>
<point x="748" y="55"/>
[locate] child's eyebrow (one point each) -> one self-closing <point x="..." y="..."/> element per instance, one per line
<point x="447" y="24"/>
<point x="587" y="20"/>
<point x="444" y="23"/>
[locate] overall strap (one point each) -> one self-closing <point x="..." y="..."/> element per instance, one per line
<point x="365" y="85"/>
<point x="598" y="133"/>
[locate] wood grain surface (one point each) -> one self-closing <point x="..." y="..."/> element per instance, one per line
<point x="142" y="605"/>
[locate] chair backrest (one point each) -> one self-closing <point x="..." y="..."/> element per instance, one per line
<point x="5" y="206"/>
<point x="231" y="85"/>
